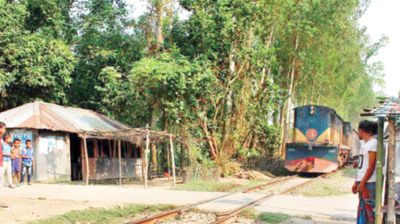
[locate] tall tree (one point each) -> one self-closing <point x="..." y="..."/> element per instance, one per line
<point x="105" y="40"/>
<point x="32" y="65"/>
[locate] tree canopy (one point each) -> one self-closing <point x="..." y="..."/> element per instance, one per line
<point x="225" y="78"/>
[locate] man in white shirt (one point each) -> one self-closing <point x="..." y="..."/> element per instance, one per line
<point x="366" y="172"/>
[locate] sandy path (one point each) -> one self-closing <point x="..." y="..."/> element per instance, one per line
<point x="41" y="201"/>
<point x="45" y="200"/>
<point x="340" y="208"/>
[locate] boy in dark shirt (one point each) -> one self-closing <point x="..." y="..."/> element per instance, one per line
<point x="27" y="161"/>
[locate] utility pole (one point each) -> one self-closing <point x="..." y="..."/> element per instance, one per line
<point x="391" y="219"/>
<point x="379" y="175"/>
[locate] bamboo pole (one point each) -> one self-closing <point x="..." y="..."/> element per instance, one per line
<point x="146" y="157"/>
<point x="391" y="219"/>
<point x="182" y="156"/>
<point x="119" y="163"/>
<point x="85" y="151"/>
<point x="154" y="157"/>
<point x="142" y="159"/>
<point x="171" y="146"/>
<point x="379" y="176"/>
<point x="169" y="162"/>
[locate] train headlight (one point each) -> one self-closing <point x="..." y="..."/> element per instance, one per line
<point x="312" y="110"/>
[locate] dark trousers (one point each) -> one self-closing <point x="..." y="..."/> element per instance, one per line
<point x="26" y="170"/>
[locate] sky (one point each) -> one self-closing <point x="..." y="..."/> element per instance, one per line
<point x="381" y="18"/>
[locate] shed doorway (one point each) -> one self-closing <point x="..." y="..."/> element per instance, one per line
<point x="76" y="159"/>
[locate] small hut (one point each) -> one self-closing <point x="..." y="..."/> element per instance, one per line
<point x="397" y="172"/>
<point x="388" y="110"/>
<point x="68" y="141"/>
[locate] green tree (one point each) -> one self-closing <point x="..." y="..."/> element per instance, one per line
<point x="32" y="65"/>
<point x="104" y="41"/>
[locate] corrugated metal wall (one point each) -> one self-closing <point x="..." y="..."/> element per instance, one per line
<point x="51" y="154"/>
<point x="53" y="157"/>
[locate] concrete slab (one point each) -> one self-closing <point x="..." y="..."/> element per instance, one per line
<point x="340" y="208"/>
<point x="231" y="202"/>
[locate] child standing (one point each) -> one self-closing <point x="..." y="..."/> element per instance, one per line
<point x="27" y="161"/>
<point x="16" y="160"/>
<point x="7" y="159"/>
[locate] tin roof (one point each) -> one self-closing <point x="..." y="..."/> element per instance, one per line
<point x="389" y="107"/>
<point x="46" y="116"/>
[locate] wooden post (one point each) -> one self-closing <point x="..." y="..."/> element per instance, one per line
<point x="96" y="148"/>
<point x="119" y="163"/>
<point x="114" y="148"/>
<point x="182" y="156"/>
<point x="142" y="159"/>
<point x="168" y="162"/>
<point x="391" y="219"/>
<point x="85" y="151"/>
<point x="379" y="175"/>
<point x="146" y="157"/>
<point x="154" y="157"/>
<point x="171" y="146"/>
<point x="110" y="149"/>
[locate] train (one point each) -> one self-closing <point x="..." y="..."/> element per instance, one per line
<point x="322" y="141"/>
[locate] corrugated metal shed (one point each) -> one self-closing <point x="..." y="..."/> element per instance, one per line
<point x="46" y="116"/>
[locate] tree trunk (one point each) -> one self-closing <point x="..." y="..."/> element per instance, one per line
<point x="288" y="104"/>
<point x="159" y="5"/>
<point x="155" y="113"/>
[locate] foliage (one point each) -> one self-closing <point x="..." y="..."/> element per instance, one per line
<point x="32" y="65"/>
<point x="224" y="79"/>
<point x="104" y="41"/>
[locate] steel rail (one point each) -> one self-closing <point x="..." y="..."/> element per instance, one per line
<point x="178" y="211"/>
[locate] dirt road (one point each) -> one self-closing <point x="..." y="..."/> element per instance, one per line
<point x="39" y="201"/>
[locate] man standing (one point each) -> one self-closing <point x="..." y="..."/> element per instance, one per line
<point x="366" y="173"/>
<point x="2" y="131"/>
<point x="7" y="158"/>
<point x="27" y="161"/>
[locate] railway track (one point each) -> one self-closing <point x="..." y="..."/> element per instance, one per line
<point x="276" y="186"/>
<point x="228" y="217"/>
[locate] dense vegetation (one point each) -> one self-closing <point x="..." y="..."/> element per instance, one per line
<point x="223" y="79"/>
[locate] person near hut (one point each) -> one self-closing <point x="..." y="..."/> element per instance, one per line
<point x="16" y="160"/>
<point x="2" y="132"/>
<point x="366" y="172"/>
<point x="27" y="161"/>
<point x="6" y="145"/>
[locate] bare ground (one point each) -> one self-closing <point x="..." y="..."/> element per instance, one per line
<point x="40" y="201"/>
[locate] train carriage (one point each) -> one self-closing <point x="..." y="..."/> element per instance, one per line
<point x="321" y="141"/>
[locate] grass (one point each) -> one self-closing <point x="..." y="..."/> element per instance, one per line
<point x="268" y="217"/>
<point x="206" y="186"/>
<point x="338" y="183"/>
<point x="272" y="218"/>
<point x="216" y="186"/>
<point x="101" y="215"/>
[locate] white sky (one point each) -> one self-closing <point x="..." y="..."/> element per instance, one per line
<point x="382" y="18"/>
<point x="138" y="7"/>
